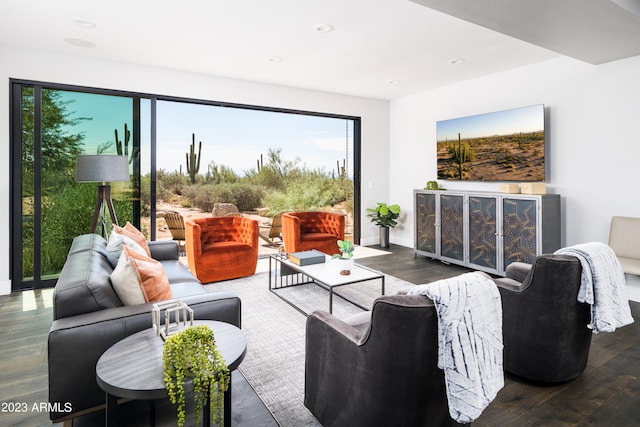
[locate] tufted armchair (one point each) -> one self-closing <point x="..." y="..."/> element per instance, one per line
<point x="544" y="326"/>
<point x="302" y="231"/>
<point x="221" y="248"/>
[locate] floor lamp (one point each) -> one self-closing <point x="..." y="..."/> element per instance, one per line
<point x="102" y="168"/>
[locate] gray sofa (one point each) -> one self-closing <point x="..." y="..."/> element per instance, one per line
<point x="88" y="318"/>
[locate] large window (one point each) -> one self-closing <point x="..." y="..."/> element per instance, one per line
<point x="261" y="160"/>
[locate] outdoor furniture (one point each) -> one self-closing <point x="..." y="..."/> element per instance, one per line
<point x="302" y="231"/>
<point x="175" y="224"/>
<point x="544" y="326"/>
<point x="273" y="230"/>
<point x="221" y="248"/>
<point x="624" y="239"/>
<point x="377" y="368"/>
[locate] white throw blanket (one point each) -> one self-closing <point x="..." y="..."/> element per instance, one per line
<point x="603" y="286"/>
<point x="469" y="341"/>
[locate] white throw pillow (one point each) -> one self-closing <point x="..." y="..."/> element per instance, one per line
<point x="115" y="244"/>
<point x="125" y="282"/>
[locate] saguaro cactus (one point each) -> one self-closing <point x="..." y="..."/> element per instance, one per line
<point x="123" y="148"/>
<point x="193" y="160"/>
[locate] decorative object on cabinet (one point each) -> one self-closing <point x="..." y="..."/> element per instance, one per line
<point x="484" y="230"/>
<point x="534" y="188"/>
<point x="433" y="185"/>
<point x="510" y="188"/>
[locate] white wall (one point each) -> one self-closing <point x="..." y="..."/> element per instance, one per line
<point x="32" y="65"/>
<point x="593" y="139"/>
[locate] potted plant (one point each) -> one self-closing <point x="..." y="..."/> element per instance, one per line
<point x="385" y="216"/>
<point x="191" y="355"/>
<point x="344" y="259"/>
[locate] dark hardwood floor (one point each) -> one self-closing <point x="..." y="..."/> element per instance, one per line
<point x="606" y="394"/>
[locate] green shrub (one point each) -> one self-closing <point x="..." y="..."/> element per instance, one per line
<point x="244" y="196"/>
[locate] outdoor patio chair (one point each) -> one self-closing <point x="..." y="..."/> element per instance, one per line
<point x="302" y="231"/>
<point x="175" y="224"/>
<point x="272" y="231"/>
<point x="221" y="248"/>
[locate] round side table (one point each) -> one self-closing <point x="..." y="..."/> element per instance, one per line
<point x="132" y="368"/>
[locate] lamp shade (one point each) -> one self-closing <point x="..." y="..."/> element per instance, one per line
<point x="102" y="168"/>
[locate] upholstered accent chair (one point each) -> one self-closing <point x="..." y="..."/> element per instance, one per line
<point x="624" y="239"/>
<point x="544" y="326"/>
<point x="377" y="368"/>
<point x="221" y="248"/>
<point x="303" y="231"/>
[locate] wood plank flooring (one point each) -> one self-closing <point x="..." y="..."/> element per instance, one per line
<point x="606" y="394"/>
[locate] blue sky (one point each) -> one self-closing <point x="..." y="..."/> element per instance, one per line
<point x="230" y="136"/>
<point x="507" y="122"/>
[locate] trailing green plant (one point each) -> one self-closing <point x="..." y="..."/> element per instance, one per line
<point x="193" y="160"/>
<point x="192" y="354"/>
<point x="384" y="215"/>
<point x="346" y="249"/>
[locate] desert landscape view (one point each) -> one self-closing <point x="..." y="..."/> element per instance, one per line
<point x="515" y="157"/>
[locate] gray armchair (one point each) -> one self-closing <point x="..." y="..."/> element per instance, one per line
<point x="378" y="368"/>
<point x="544" y="326"/>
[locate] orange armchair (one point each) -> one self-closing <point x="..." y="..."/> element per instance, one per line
<point x="302" y="231"/>
<point x="220" y="248"/>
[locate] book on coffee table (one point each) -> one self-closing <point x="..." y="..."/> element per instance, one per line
<point x="307" y="257"/>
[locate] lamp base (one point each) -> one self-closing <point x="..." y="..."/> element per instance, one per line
<point x="104" y="198"/>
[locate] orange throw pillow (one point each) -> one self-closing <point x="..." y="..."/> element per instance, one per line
<point x="134" y="234"/>
<point x="151" y="276"/>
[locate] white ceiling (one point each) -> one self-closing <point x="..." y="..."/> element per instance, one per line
<point x="378" y="48"/>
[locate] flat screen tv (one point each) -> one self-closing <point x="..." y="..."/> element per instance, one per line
<point x="500" y="146"/>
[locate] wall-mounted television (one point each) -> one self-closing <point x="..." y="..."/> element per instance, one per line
<point x="500" y="146"/>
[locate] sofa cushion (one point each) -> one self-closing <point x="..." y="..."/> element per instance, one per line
<point x="132" y="232"/>
<point x="83" y="285"/>
<point x="126" y="283"/>
<point x="115" y="244"/>
<point x="151" y="276"/>
<point x="186" y="289"/>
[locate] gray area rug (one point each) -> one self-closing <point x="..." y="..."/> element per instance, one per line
<point x="274" y="364"/>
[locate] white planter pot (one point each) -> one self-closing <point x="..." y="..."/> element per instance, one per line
<point x="341" y="266"/>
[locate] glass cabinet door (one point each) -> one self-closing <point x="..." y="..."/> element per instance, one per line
<point x="452" y="226"/>
<point x="426" y="222"/>
<point x="519" y="232"/>
<point x="483" y="231"/>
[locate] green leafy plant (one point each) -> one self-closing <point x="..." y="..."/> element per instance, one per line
<point x="384" y="215"/>
<point x="192" y="355"/>
<point x="346" y="249"/>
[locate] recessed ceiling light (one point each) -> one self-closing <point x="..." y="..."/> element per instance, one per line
<point x="84" y="24"/>
<point x="457" y="61"/>
<point x="323" y="28"/>
<point x="80" y="42"/>
<point x="275" y="59"/>
<point x="394" y="82"/>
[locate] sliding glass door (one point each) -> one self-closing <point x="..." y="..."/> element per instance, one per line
<point x="51" y="127"/>
<point x="184" y="155"/>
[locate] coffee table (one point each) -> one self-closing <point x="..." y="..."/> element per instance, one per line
<point x="284" y="273"/>
<point x="132" y="368"/>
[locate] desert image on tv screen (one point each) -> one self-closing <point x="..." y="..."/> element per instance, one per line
<point x="501" y="146"/>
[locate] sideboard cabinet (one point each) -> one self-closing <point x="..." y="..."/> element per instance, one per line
<point x="485" y="231"/>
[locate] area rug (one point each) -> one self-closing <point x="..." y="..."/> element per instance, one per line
<point x="275" y="331"/>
